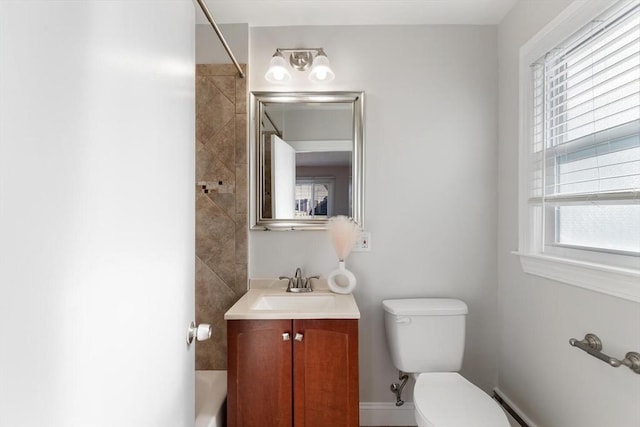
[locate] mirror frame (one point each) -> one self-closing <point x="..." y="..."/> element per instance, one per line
<point x="258" y="99"/>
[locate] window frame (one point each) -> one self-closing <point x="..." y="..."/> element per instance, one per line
<point x="599" y="271"/>
<point x="320" y="180"/>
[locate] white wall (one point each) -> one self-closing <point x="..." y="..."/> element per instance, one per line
<point x="430" y="185"/>
<point x="555" y="384"/>
<point x="96" y="213"/>
<point x="209" y="49"/>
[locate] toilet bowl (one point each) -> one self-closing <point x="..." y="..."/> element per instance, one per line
<point x="426" y="338"/>
<point x="448" y="399"/>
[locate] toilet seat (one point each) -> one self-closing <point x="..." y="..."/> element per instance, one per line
<point x="447" y="399"/>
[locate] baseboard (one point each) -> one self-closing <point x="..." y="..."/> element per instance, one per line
<point x="512" y="409"/>
<point x="386" y="414"/>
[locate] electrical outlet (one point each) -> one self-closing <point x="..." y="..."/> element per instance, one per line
<point x="363" y="242"/>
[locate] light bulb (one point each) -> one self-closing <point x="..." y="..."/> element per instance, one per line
<point x="320" y="70"/>
<point x="278" y="74"/>
<point x="277" y="71"/>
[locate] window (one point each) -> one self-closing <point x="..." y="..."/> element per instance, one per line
<point x="582" y="145"/>
<point x="314" y="197"/>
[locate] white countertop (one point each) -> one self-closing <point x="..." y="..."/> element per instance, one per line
<point x="345" y="306"/>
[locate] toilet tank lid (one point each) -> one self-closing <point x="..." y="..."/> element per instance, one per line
<point x="425" y="306"/>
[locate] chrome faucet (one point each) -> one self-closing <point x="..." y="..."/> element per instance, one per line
<point x="299" y="283"/>
<point x="298" y="278"/>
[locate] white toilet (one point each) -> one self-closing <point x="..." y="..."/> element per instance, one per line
<point x="426" y="339"/>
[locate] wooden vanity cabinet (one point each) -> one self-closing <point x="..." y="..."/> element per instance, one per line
<point x="275" y="380"/>
<point x="259" y="365"/>
<point x="325" y="373"/>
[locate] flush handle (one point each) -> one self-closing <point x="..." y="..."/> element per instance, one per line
<point x="299" y="337"/>
<point x="405" y="320"/>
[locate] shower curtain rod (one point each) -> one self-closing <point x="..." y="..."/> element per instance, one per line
<point x="206" y="12"/>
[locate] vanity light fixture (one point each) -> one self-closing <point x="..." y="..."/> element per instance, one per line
<point x="300" y="59"/>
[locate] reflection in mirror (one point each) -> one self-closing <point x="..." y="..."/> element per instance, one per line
<point x="308" y="152"/>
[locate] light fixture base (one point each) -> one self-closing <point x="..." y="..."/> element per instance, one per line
<point x="301" y="60"/>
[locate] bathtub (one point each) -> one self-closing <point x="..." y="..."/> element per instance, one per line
<point x="211" y="399"/>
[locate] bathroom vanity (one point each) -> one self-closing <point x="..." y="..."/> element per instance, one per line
<point x="292" y="359"/>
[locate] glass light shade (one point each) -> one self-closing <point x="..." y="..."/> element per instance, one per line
<point x="277" y="72"/>
<point x="320" y="70"/>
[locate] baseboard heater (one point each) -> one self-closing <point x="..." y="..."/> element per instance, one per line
<point x="509" y="409"/>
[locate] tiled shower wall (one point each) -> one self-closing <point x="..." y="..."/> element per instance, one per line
<point x="221" y="203"/>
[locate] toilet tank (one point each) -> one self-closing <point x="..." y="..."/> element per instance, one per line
<point x="425" y="334"/>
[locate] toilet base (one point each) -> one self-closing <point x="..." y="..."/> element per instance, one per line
<point x="448" y="399"/>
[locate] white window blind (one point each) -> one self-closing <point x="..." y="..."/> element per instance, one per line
<point x="584" y="157"/>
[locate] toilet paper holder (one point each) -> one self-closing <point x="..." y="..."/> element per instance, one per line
<point x="202" y="332"/>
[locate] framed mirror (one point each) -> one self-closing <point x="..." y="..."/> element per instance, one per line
<point x="308" y="158"/>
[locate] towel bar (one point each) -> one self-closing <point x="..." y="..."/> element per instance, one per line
<point x="592" y="345"/>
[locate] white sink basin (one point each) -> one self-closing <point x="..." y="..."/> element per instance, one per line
<point x="268" y="299"/>
<point x="306" y="302"/>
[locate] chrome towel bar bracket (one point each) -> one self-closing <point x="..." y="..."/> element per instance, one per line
<point x="592" y="345"/>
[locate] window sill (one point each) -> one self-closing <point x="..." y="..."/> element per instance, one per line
<point x="618" y="282"/>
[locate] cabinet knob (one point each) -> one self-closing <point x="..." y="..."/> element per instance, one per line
<point x="285" y="336"/>
<point x="299" y="337"/>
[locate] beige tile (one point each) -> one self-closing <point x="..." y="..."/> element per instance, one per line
<point x="241" y="95"/>
<point x="215" y="237"/>
<point x="241" y="189"/>
<point x="226" y="85"/>
<point x="223" y="144"/>
<point x="213" y="110"/>
<point x="204" y="158"/>
<point x="221" y="262"/>
<point x="241" y="280"/>
<point x="212" y="354"/>
<point x="203" y="94"/>
<point x="199" y="147"/>
<point x="225" y="201"/>
<point x="206" y="352"/>
<point x="214" y="295"/>
<point x="221" y="213"/>
<point x="242" y="236"/>
<point x="213" y="299"/>
<point x="210" y="169"/>
<point x="219" y="355"/>
<point x="241" y="144"/>
<point x="216" y="70"/>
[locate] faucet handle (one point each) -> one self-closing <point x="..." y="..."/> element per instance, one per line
<point x="307" y="282"/>
<point x="290" y="283"/>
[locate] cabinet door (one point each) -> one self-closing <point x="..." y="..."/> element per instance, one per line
<point x="325" y="385"/>
<point x="259" y="373"/>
